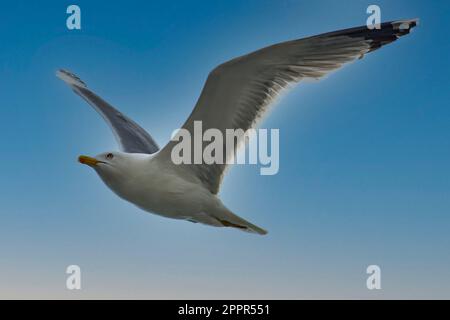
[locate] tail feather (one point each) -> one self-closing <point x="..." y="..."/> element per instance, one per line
<point x="229" y="219"/>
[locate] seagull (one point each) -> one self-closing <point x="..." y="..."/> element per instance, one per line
<point x="236" y="95"/>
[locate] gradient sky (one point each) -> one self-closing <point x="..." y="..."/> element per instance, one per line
<point x="364" y="155"/>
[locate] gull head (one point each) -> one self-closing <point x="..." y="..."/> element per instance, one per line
<point x="115" y="168"/>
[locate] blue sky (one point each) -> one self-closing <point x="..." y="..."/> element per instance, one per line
<point x="364" y="155"/>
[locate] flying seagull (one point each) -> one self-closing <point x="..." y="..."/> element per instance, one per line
<point x="235" y="96"/>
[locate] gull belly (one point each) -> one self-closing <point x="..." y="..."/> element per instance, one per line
<point x="158" y="189"/>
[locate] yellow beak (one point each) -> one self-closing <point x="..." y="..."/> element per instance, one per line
<point x="92" y="162"/>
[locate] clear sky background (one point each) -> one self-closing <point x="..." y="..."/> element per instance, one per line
<point x="364" y="155"/>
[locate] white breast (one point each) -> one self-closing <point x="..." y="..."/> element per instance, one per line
<point x="158" y="189"/>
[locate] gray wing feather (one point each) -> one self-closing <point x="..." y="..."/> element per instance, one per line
<point x="238" y="92"/>
<point x="130" y="136"/>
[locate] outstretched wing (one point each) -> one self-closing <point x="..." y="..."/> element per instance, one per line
<point x="238" y="92"/>
<point x="130" y="136"/>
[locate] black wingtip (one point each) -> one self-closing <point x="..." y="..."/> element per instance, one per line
<point x="389" y="32"/>
<point x="70" y="78"/>
<point x="386" y="33"/>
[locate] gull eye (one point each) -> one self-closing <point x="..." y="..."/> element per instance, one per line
<point x="109" y="156"/>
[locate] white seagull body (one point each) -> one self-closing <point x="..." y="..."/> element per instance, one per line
<point x="235" y="96"/>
